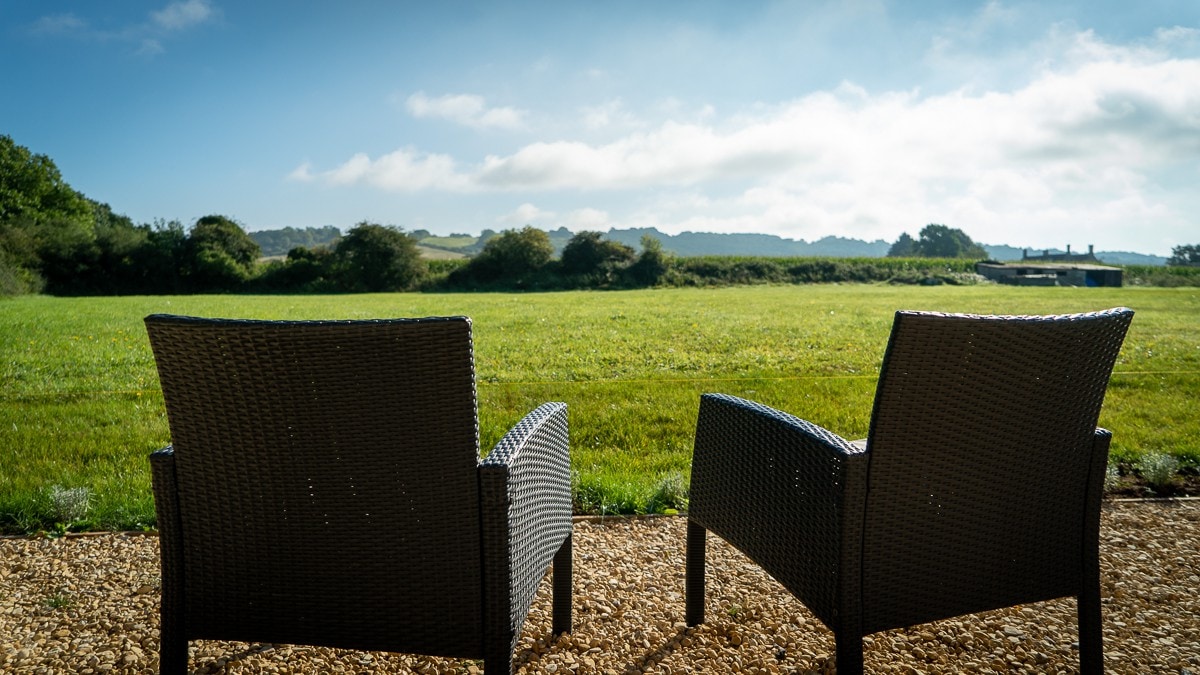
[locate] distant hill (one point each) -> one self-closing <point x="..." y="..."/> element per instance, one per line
<point x="1007" y="253"/>
<point x="707" y="243"/>
<point x="1002" y="253"/>
<point x="685" y="244"/>
<point x="276" y="243"/>
<point x="1128" y="258"/>
<point x="279" y="242"/>
<point x="431" y="253"/>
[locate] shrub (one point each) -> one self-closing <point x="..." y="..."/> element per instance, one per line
<point x="304" y="270"/>
<point x="1158" y="469"/>
<point x="651" y="266"/>
<point x="1168" y="277"/>
<point x="513" y="258"/>
<point x="17" y="280"/>
<point x="375" y="258"/>
<point x="670" y="495"/>
<point x="70" y="505"/>
<point x="1112" y="477"/>
<point x="595" y="261"/>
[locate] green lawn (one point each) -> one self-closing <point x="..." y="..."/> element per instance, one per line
<point x="80" y="406"/>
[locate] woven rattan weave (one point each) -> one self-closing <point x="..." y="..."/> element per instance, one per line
<point x="323" y="487"/>
<point x="978" y="486"/>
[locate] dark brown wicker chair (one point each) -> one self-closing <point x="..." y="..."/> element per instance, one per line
<point x="978" y="486"/>
<point x="323" y="487"/>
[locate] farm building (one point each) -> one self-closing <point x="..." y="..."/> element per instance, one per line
<point x="1028" y="273"/>
<point x="1068" y="257"/>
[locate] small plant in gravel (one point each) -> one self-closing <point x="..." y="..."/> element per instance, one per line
<point x="1158" y="469"/>
<point x="59" y="600"/>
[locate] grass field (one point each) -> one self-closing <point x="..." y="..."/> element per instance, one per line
<point x="80" y="405"/>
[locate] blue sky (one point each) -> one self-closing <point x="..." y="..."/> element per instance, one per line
<point x="1035" y="124"/>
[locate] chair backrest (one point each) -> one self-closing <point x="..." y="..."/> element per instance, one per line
<point x="980" y="451"/>
<point x="327" y="479"/>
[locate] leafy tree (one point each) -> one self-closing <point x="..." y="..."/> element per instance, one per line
<point x="587" y="254"/>
<point x="1186" y="255"/>
<point x="161" y="258"/>
<point x="512" y="254"/>
<point x="218" y="255"/>
<point x="304" y="270"/>
<point x="31" y="188"/>
<point x="212" y="269"/>
<point x="19" y="260"/>
<point x="118" y="242"/>
<point x="16" y="279"/>
<point x="102" y="264"/>
<point x="308" y="266"/>
<point x="43" y="221"/>
<point x="66" y="251"/>
<point x="939" y="241"/>
<point x="484" y="237"/>
<point x="905" y="247"/>
<point x="651" y="265"/>
<point x="226" y="235"/>
<point x="376" y="258"/>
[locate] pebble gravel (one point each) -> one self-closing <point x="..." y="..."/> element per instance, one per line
<point x="88" y="604"/>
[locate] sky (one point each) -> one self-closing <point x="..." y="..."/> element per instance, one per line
<point x="1034" y="124"/>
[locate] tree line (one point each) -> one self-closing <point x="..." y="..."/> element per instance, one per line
<point x="55" y="240"/>
<point x="936" y="241"/>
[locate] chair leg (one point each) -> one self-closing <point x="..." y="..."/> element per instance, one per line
<point x="563" y="572"/>
<point x="172" y="653"/>
<point x="172" y="638"/>
<point x="694" y="573"/>
<point x="849" y="655"/>
<point x="1091" y="637"/>
<point x="498" y="663"/>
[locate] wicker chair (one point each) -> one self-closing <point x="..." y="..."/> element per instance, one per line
<point x="323" y="487"/>
<point x="978" y="486"/>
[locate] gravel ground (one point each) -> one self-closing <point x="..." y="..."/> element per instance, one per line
<point x="88" y="604"/>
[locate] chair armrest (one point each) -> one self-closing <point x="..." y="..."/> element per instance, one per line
<point x="787" y="493"/>
<point x="525" y="492"/>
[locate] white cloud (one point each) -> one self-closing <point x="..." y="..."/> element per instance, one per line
<point x="526" y="214"/>
<point x="587" y="219"/>
<point x="181" y="15"/>
<point x="1177" y="35"/>
<point x="145" y="38"/>
<point x="451" y="106"/>
<point x="302" y="173"/>
<point x="673" y="154"/>
<point x="465" y="109"/>
<point x="58" y="24"/>
<point x="150" y="47"/>
<point x="403" y="170"/>
<point x="574" y="220"/>
<point x="1078" y="146"/>
<point x="608" y="115"/>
